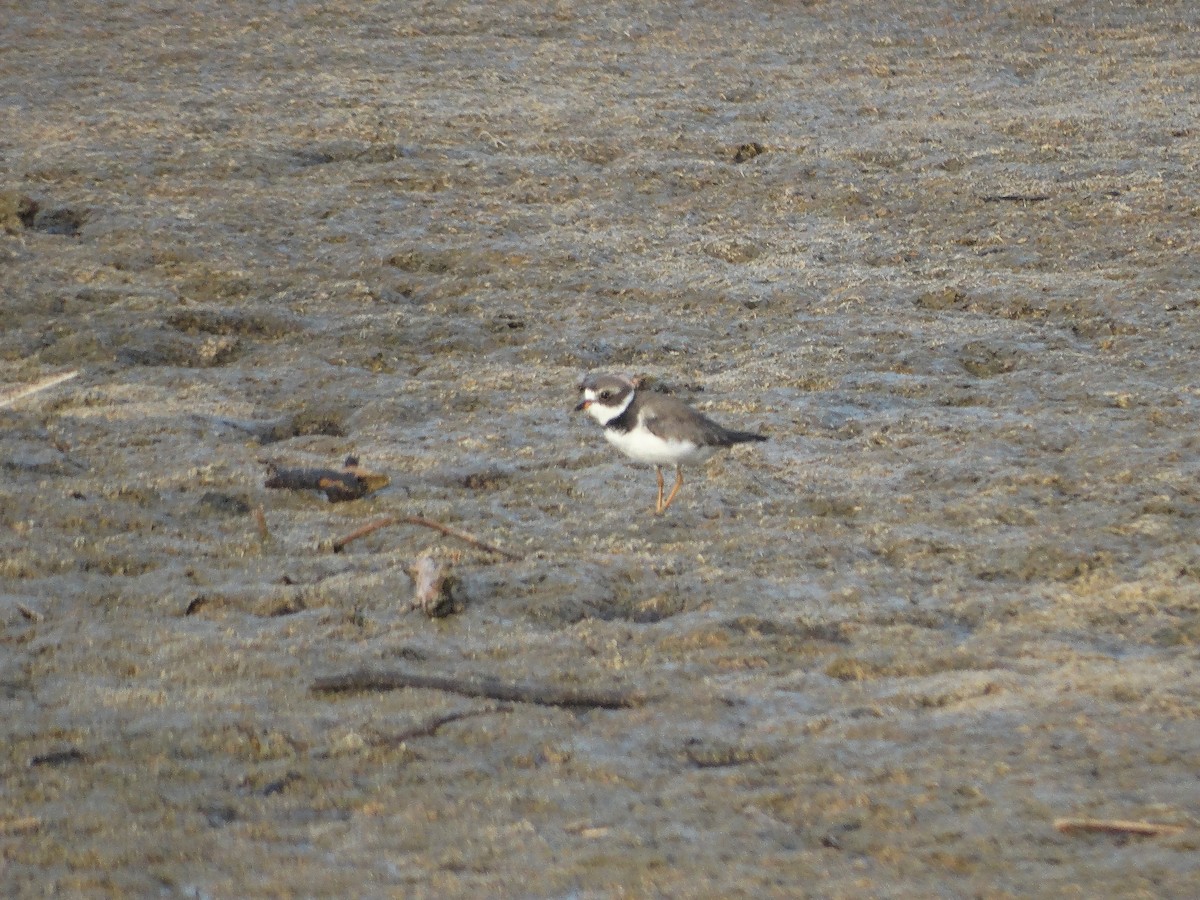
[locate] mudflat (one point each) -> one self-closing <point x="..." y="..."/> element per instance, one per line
<point x="943" y="254"/>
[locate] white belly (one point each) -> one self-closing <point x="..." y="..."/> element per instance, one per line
<point x="642" y="445"/>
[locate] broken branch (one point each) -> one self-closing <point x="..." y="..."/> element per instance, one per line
<point x="430" y="728"/>
<point x="340" y="544"/>
<point x="338" y="485"/>
<point x="1117" y="826"/>
<point x="11" y="395"/>
<point x="1015" y="198"/>
<point x="478" y="686"/>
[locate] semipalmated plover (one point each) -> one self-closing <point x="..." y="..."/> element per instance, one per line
<point x="654" y="428"/>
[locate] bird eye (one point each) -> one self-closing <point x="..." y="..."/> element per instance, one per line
<point x="605" y="395"/>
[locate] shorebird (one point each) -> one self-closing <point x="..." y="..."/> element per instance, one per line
<point x="654" y="428"/>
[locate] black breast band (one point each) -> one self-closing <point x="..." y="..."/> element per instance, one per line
<point x="625" y="422"/>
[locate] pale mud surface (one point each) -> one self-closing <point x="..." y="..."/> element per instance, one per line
<point x="955" y="597"/>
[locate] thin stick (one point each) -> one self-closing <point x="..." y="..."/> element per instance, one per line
<point x="430" y="728"/>
<point x="1117" y="826"/>
<point x="31" y="614"/>
<point x="477" y="686"/>
<point x="340" y="544"/>
<point x="1015" y="198"/>
<point x="12" y="395"/>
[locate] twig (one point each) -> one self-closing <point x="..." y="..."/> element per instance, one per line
<point x="477" y="686"/>
<point x="58" y="758"/>
<point x="430" y="728"/>
<point x="1117" y="826"/>
<point x="362" y="531"/>
<point x="31" y="614"/>
<point x="12" y="395"/>
<point x="1015" y="198"/>
<point x="340" y="544"/>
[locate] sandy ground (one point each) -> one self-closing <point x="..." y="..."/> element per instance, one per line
<point x="943" y="253"/>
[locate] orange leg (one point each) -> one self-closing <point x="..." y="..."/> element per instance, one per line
<point x="658" y="504"/>
<point x="674" y="490"/>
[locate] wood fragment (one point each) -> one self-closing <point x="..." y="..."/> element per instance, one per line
<point x="1117" y="826"/>
<point x="31" y="614"/>
<point x="1015" y="198"/>
<point x="430" y="728"/>
<point x="433" y="587"/>
<point x="58" y="758"/>
<point x="340" y="544"/>
<point x="196" y="605"/>
<point x="362" y="531"/>
<point x="478" y="686"/>
<point x="748" y="151"/>
<point x="373" y="480"/>
<point x="9" y="396"/>
<point x="339" y="485"/>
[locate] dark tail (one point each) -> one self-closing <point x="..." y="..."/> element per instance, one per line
<point x="743" y="437"/>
